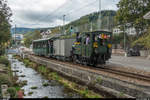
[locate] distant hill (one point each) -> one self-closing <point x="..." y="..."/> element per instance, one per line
<point x="22" y="30"/>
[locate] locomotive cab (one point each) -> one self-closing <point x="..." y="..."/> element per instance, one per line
<point x="92" y="48"/>
<point x="102" y="45"/>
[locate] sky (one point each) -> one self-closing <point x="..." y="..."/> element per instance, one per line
<point x="49" y="13"/>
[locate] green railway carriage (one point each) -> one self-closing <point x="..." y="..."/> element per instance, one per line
<point x="43" y="47"/>
<point x="92" y="47"/>
<point x="40" y="47"/>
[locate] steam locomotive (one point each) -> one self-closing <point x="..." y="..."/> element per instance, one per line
<point x="88" y="48"/>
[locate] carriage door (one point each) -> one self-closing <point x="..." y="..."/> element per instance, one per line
<point x="86" y="45"/>
<point x="83" y="53"/>
<point x="48" y="47"/>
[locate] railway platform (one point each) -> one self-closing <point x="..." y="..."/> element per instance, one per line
<point x="139" y="63"/>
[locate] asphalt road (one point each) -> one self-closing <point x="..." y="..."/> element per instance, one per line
<point x="134" y="62"/>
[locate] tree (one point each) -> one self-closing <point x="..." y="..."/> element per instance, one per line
<point x="143" y="40"/>
<point x="5" y="14"/>
<point x="29" y="37"/>
<point x="132" y="11"/>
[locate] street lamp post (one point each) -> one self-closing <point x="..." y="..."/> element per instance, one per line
<point x="15" y="34"/>
<point x="125" y="38"/>
<point x="126" y="26"/>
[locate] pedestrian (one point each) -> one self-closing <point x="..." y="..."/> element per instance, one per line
<point x="87" y="39"/>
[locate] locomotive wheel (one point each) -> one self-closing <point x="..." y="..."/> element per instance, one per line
<point x="88" y="62"/>
<point x="75" y="59"/>
<point x="102" y="61"/>
<point x="85" y="62"/>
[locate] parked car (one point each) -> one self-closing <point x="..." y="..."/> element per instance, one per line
<point x="133" y="52"/>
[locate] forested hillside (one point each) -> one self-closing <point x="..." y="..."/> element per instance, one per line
<point x="84" y="23"/>
<point x="22" y="30"/>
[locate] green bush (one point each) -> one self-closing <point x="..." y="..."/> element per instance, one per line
<point x="4" y="60"/>
<point x="26" y="62"/>
<point x="34" y="87"/>
<point x="45" y="84"/>
<point x="0" y="93"/>
<point x="5" y="79"/>
<point x="12" y="91"/>
<point x="42" y="69"/>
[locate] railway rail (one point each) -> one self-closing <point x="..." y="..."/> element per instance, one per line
<point x="127" y="74"/>
<point x="104" y="69"/>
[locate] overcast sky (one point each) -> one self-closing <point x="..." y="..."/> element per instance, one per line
<point x="48" y="13"/>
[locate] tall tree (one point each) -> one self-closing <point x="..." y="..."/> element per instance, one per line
<point x="132" y="11"/>
<point x="5" y="14"/>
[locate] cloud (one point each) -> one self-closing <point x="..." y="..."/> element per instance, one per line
<point x="47" y="13"/>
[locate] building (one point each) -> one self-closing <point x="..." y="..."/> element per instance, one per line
<point x="17" y="37"/>
<point x="45" y="34"/>
<point x="147" y="16"/>
<point x="117" y="30"/>
<point x="129" y="31"/>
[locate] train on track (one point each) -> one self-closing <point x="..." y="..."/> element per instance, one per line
<point x="88" y="48"/>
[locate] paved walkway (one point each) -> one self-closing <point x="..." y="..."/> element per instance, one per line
<point x="134" y="62"/>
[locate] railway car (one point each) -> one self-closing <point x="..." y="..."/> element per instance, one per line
<point x="92" y="48"/>
<point x="44" y="47"/>
<point x="40" y="47"/>
<point x="62" y="48"/>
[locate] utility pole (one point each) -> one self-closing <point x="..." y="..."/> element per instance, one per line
<point x="15" y="35"/>
<point x="99" y="19"/>
<point x="124" y="38"/>
<point x="91" y="26"/>
<point x="91" y="20"/>
<point x="64" y="23"/>
<point x="108" y="21"/>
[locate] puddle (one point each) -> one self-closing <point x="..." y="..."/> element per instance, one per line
<point x="54" y="90"/>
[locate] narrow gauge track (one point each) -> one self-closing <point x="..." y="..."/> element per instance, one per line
<point x="103" y="68"/>
<point x="127" y="74"/>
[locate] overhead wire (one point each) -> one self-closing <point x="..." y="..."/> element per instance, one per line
<point x="87" y="5"/>
<point x="70" y="12"/>
<point x="58" y="10"/>
<point x="74" y="10"/>
<point x="44" y="17"/>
